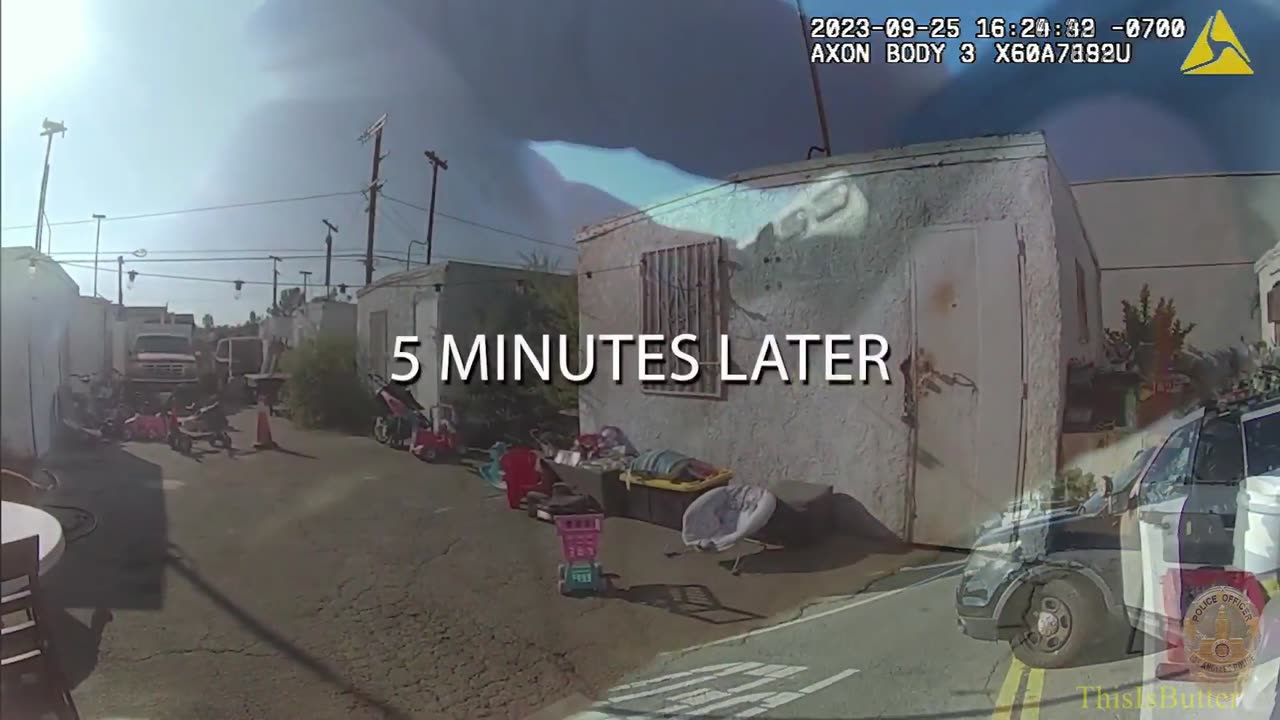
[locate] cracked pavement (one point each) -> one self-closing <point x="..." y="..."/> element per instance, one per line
<point x="340" y="579"/>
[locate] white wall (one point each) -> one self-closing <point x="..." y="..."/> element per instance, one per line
<point x="851" y="437"/>
<point x="1192" y="239"/>
<point x="35" y="314"/>
<point x="92" y="325"/>
<point x="1268" y="269"/>
<point x="1082" y="323"/>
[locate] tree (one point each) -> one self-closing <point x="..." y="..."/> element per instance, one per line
<point x="207" y="321"/>
<point x="537" y="303"/>
<point x="253" y="318"/>
<point x="1152" y="340"/>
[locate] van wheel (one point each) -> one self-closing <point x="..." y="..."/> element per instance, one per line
<point x="1063" y="617"/>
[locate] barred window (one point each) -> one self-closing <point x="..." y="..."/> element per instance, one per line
<point x="681" y="292"/>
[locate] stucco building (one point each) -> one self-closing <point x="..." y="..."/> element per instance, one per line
<point x="969" y="257"/>
<point x="456" y="298"/>
<point x="39" y="303"/>
<point x="1268" y="269"/>
<point x="1192" y="239"/>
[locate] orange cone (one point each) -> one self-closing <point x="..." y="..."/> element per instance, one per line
<point x="264" y="441"/>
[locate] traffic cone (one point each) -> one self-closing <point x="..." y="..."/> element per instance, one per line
<point x="264" y="441"/>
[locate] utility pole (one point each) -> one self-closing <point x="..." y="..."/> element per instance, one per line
<point x="437" y="164"/>
<point x="120" y="286"/>
<point x="330" y="229"/>
<point x="275" y="281"/>
<point x="97" y="241"/>
<point x="817" y="86"/>
<point x="374" y="132"/>
<point x="49" y="129"/>
<point x="306" y="277"/>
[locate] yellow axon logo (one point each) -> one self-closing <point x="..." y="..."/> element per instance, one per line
<point x="1217" y="51"/>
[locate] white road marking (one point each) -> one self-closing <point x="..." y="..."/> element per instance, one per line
<point x="674" y="676"/>
<point x="862" y="600"/>
<point x="701" y="701"/>
<point x="702" y="678"/>
<point x="704" y="696"/>
<point x="824" y="684"/>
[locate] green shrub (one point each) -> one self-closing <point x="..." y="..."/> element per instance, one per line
<point x="325" y="388"/>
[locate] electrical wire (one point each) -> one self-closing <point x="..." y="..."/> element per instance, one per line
<point x="356" y="286"/>
<point x="190" y="211"/>
<point x="279" y="201"/>
<point x="480" y="225"/>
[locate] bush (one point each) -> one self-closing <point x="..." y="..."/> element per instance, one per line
<point x="325" y="388"/>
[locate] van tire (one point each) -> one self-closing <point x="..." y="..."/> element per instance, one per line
<point x="1078" y="620"/>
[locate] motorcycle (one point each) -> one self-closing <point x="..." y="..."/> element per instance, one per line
<point x="401" y="414"/>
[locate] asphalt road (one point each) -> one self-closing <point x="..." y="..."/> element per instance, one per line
<point x="893" y="652"/>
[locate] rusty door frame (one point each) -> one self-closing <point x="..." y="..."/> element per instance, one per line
<point x="913" y="429"/>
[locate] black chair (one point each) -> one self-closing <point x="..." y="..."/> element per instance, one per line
<point x="33" y="683"/>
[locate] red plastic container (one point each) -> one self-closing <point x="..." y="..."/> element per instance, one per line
<point x="521" y="474"/>
<point x="579" y="537"/>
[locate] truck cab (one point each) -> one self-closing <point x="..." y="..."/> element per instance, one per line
<point x="159" y="359"/>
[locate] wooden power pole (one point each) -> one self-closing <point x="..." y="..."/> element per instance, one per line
<point x="330" y="229"/>
<point x="375" y="133"/>
<point x="437" y="164"/>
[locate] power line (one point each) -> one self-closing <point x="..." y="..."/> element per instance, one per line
<point x="189" y="211"/>
<point x="187" y="251"/>
<point x="480" y="225"/>
<point x="247" y="258"/>
<point x="356" y="286"/>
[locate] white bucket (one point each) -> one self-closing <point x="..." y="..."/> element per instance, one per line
<point x="1257" y="536"/>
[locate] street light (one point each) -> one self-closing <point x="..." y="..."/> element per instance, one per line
<point x="49" y="128"/>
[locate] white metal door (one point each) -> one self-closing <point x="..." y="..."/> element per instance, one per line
<point x="425" y="321"/>
<point x="378" y="342"/>
<point x="967" y="372"/>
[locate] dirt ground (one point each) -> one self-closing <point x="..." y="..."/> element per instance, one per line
<point x="338" y="579"/>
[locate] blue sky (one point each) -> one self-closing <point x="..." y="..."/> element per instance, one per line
<point x="179" y="105"/>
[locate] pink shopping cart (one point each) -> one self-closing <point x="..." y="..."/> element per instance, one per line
<point x="580" y="541"/>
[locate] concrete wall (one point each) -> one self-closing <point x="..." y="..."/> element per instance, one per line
<point x="91" y="337"/>
<point x="853" y="280"/>
<point x="397" y="295"/>
<point x="1082" y="323"/>
<point x="1192" y="239"/>
<point x="1268" y="269"/>
<point x="331" y="317"/>
<point x="37" y="309"/>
